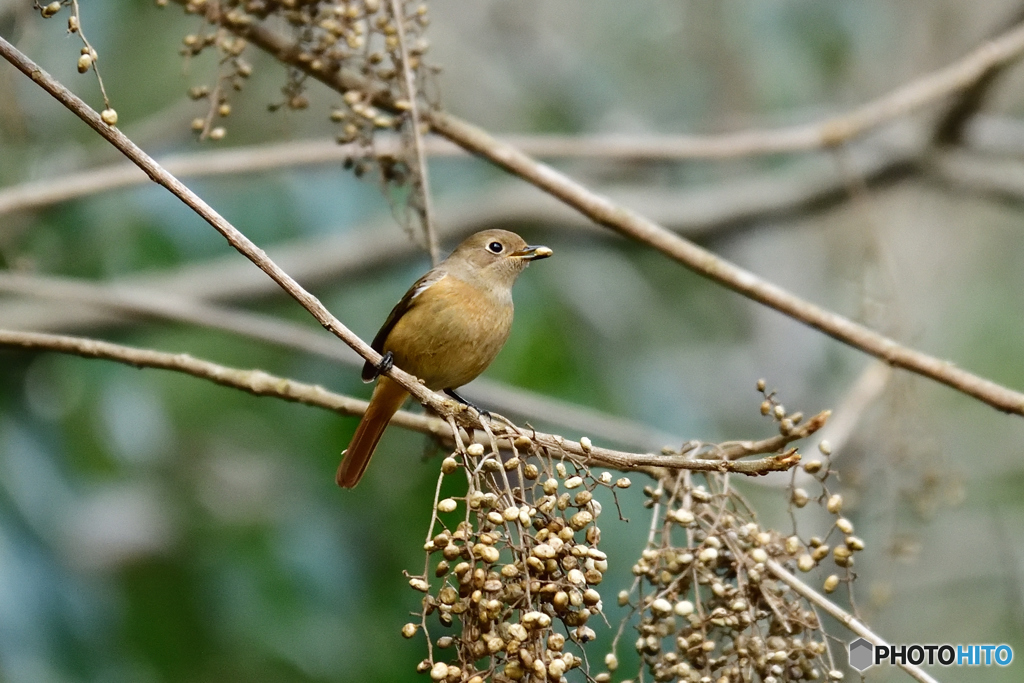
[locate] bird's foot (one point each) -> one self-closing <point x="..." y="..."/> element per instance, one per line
<point x="468" y="403"/>
<point x="387" y="362"/>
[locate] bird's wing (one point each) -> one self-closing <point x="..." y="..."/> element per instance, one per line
<point x="400" y="309"/>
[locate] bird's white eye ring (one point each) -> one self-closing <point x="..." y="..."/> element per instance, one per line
<point x="495" y="247"/>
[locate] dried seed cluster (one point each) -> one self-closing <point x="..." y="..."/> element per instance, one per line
<point x="709" y="608"/>
<point x="771" y="407"/>
<point x="514" y="581"/>
<point x="706" y="603"/>
<point x="817" y="549"/>
<point x="361" y="36"/>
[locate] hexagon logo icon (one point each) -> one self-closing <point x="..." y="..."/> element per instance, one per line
<point x="862" y="654"/>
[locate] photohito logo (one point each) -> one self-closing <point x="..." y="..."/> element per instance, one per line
<point x="864" y="655"/>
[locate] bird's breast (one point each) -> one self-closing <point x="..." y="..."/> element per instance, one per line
<point x="452" y="333"/>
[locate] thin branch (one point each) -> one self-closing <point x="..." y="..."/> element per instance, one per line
<point x="134" y="300"/>
<point x="256" y="382"/>
<point x="91" y="52"/>
<point x="595" y="456"/>
<point x="705" y="263"/>
<point x="840" y="615"/>
<point x="738" y="449"/>
<point x="260" y="383"/>
<point x="728" y="452"/>
<point x="252" y="159"/>
<point x="422" y="177"/>
<point x="970" y="69"/>
<point x="235" y="238"/>
<point x="997" y="179"/>
<point x="900" y="102"/>
<point x="816" y="186"/>
<point x="952" y="124"/>
<point x="771" y="195"/>
<point x="862" y="394"/>
<point x="631" y="224"/>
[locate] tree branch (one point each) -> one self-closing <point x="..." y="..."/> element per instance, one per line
<point x="234" y="237"/>
<point x="255" y="382"/>
<point x="701" y="211"/>
<point x="705" y="263"/>
<point x="951" y="126"/>
<point x="260" y="383"/>
<point x="901" y="101"/>
<point x="631" y="224"/>
<point x="725" y="204"/>
<point x="250" y="159"/>
<point x="421" y="180"/>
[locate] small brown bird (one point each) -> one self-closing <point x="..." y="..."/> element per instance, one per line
<point x="446" y="330"/>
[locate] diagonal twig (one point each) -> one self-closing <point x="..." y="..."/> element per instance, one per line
<point x="844" y="618"/>
<point x="256" y="382"/>
<point x="762" y="195"/>
<point x="899" y="102"/>
<point x="704" y="262"/>
<point x="444" y="406"/>
<point x="952" y="124"/>
<point x="234" y="237"/>
<point x="421" y="175"/>
<point x="902" y="101"/>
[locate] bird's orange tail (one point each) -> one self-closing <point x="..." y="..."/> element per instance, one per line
<point x="388" y="397"/>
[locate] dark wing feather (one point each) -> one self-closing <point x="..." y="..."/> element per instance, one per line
<point x="400" y="309"/>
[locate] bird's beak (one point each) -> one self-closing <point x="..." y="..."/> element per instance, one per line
<point x="532" y="253"/>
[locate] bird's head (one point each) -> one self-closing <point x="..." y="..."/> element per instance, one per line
<point x="494" y="256"/>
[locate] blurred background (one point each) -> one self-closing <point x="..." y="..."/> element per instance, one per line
<point x="155" y="527"/>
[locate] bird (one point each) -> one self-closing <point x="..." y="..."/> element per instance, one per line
<point x="446" y="330"/>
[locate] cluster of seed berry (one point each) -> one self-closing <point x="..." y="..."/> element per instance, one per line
<point x="513" y="582"/>
<point x="708" y="603"/>
<point x="363" y="37"/>
<point x="710" y="608"/>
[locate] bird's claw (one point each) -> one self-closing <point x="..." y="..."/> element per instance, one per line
<point x="387" y="361"/>
<point x="468" y="403"/>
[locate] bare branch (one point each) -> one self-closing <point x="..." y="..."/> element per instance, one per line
<point x="725" y="204"/>
<point x="261" y="383"/>
<point x="255" y="382"/>
<point x="952" y="124"/>
<point x="237" y="240"/>
<point x="838" y="130"/>
<point x="631" y="224"/>
<point x="252" y="159"/>
<point x="815" y="186"/>
<point x="727" y="452"/>
<point x="862" y="394"/>
<point x="702" y="261"/>
<point x="739" y="449"/>
<point x="422" y="177"/>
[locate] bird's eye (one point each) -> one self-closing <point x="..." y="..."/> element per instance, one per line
<point x="495" y="247"/>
